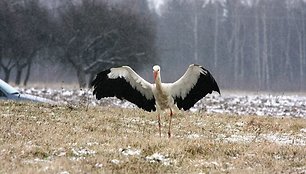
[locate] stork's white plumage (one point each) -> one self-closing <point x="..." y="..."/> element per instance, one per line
<point x="124" y="83"/>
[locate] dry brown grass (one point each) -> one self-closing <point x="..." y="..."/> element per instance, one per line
<point x="39" y="138"/>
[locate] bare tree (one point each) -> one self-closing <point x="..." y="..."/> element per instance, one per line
<point x="25" y="30"/>
<point x="6" y="34"/>
<point x="94" y="36"/>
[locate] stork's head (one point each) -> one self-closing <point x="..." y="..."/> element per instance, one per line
<point x="156" y="70"/>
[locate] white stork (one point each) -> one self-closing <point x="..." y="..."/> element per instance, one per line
<point x="124" y="83"/>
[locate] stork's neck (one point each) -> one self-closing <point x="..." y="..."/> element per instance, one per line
<point x="158" y="81"/>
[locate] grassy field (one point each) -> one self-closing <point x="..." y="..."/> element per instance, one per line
<point x="40" y="138"/>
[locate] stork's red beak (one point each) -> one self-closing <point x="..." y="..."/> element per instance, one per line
<point x="155" y="75"/>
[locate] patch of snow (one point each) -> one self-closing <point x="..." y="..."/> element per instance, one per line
<point x="193" y="136"/>
<point x="115" y="161"/>
<point x="64" y="172"/>
<point x="98" y="165"/>
<point x="303" y="130"/>
<point x="157" y="157"/>
<point x="77" y="158"/>
<point x="215" y="163"/>
<point x="60" y="152"/>
<point x="92" y="143"/>
<point x="67" y="93"/>
<point x="82" y="152"/>
<point x="239" y="124"/>
<point x="285" y="139"/>
<point x="193" y="109"/>
<point x="129" y="151"/>
<point x="280" y="139"/>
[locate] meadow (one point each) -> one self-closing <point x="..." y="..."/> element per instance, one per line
<point x="44" y="138"/>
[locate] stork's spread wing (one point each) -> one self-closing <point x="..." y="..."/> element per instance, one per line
<point x="195" y="84"/>
<point x="124" y="83"/>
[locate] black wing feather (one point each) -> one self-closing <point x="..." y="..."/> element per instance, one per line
<point x="205" y="84"/>
<point x="120" y="88"/>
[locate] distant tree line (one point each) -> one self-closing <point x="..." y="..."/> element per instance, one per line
<point x="255" y="44"/>
<point x="86" y="35"/>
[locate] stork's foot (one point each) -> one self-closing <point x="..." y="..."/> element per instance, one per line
<point x="169" y="134"/>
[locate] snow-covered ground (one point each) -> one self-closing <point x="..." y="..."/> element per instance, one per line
<point x="255" y="104"/>
<point x="230" y="103"/>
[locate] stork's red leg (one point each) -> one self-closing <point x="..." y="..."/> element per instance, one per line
<point x="169" y="131"/>
<point x="158" y="117"/>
